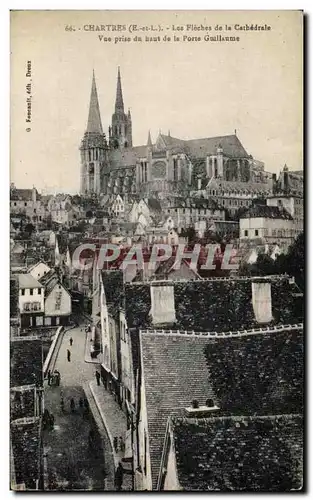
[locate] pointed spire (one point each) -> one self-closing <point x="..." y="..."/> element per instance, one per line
<point x="149" y="143"/>
<point x="119" y="104"/>
<point x="94" y="120"/>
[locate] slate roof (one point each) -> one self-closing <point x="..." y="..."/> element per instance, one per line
<point x="267" y="212"/>
<point x="199" y="307"/>
<point x="28" y="281"/>
<point x="200" y="148"/>
<point x="23" y="194"/>
<point x="14" y="294"/>
<point x="114" y="290"/>
<point x="25" y="440"/>
<point x="256" y="453"/>
<point x="49" y="280"/>
<point x="26" y="361"/>
<point x="178" y="368"/>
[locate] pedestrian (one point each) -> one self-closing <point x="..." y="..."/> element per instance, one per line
<point x="118" y="479"/>
<point x="72" y="405"/>
<point x="115" y="443"/>
<point x="122" y="445"/>
<point x="71" y="341"/>
<point x="62" y="404"/>
<point x="57" y="377"/>
<point x="98" y="377"/>
<point x="49" y="377"/>
<point x="51" y="421"/>
<point x="68" y="355"/>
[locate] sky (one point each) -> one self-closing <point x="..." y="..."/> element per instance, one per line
<point x="194" y="89"/>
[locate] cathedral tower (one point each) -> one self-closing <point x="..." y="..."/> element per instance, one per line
<point x="93" y="148"/>
<point x="121" y="130"/>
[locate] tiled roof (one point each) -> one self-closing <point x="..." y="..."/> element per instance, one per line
<point x="49" y="280"/>
<point x="26" y="362"/>
<point x="23" y="194"/>
<point x="239" y="453"/>
<point x="266" y="211"/>
<point x="154" y="204"/>
<point x="199" y="307"/>
<point x="14" y="293"/>
<point x="177" y="369"/>
<point x="114" y="289"/>
<point x="28" y="281"/>
<point x="25" y="439"/>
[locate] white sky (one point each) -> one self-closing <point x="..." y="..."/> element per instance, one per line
<point x="192" y="89"/>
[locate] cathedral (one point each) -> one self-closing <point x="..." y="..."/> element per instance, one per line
<point x="110" y="164"/>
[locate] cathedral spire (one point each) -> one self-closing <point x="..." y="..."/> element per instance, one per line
<point x="149" y="143"/>
<point x="119" y="104"/>
<point x="94" y="124"/>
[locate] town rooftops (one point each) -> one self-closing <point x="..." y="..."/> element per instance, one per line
<point x="28" y="281"/>
<point x="253" y="453"/>
<point x="49" y="280"/>
<point x="256" y="373"/>
<point x="266" y="212"/>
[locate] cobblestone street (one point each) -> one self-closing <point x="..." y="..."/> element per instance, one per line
<point x="69" y="460"/>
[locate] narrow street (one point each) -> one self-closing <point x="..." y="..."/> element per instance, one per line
<point x="70" y="462"/>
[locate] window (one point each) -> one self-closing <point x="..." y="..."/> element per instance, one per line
<point x="15" y="203"/>
<point x="31" y="291"/>
<point x="23" y="291"/>
<point x="39" y="291"/>
<point x="256" y="232"/>
<point x="246" y="232"/>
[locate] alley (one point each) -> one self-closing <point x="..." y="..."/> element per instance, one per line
<point x="70" y="462"/>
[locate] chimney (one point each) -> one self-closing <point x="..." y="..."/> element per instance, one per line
<point x="262" y="301"/>
<point x="162" y="304"/>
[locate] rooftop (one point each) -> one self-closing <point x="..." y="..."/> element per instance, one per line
<point x="252" y="374"/>
<point x="255" y="453"/>
<point x="28" y="281"/>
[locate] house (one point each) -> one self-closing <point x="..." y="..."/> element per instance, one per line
<point x="232" y="453"/>
<point x="293" y="204"/>
<point x="28" y="202"/>
<point x="63" y="211"/>
<point x="173" y="325"/>
<point x="188" y="211"/>
<point x="236" y="376"/>
<point x="39" y="270"/>
<point x="267" y="224"/>
<point x="31" y="301"/>
<point x="57" y="300"/>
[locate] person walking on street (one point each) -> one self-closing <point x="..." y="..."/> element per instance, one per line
<point x="98" y="377"/>
<point x="62" y="404"/>
<point x="49" y="377"/>
<point x="72" y="405"/>
<point x="71" y="341"/>
<point x="118" y="479"/>
<point x="115" y="444"/>
<point x="122" y="445"/>
<point x="68" y="355"/>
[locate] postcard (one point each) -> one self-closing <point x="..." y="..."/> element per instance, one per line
<point x="156" y="251"/>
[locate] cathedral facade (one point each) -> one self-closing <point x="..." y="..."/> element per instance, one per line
<point x="112" y="165"/>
